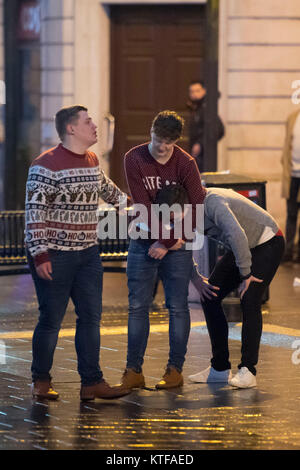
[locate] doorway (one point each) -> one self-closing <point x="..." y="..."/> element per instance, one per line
<point x="156" y="51"/>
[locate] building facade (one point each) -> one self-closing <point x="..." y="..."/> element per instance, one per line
<point x="87" y="55"/>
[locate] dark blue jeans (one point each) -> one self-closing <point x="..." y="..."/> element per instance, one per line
<point x="142" y="271"/>
<point x="77" y="275"/>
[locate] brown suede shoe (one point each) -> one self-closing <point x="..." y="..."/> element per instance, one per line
<point x="43" y="389"/>
<point x="171" y="379"/>
<point x="132" y="379"/>
<point x="102" y="390"/>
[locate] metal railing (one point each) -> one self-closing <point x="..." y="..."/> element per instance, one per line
<point x="12" y="246"/>
<point x="13" y="250"/>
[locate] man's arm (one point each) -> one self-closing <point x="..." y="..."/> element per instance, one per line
<point x="110" y="192"/>
<point x="206" y="290"/>
<point x="196" y="194"/>
<point x="223" y="217"/>
<point x="226" y="221"/>
<point x="41" y="191"/>
<point x="140" y="196"/>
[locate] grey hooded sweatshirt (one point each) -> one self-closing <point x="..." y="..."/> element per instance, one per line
<point x="237" y="222"/>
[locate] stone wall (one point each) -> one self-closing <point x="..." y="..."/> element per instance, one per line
<point x="259" y="60"/>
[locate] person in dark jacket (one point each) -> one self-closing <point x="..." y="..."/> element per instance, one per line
<point x="197" y="107"/>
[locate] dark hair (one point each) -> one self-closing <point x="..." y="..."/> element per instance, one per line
<point x="168" y="125"/>
<point x="172" y="194"/>
<point x="197" y="82"/>
<point x="65" y="116"/>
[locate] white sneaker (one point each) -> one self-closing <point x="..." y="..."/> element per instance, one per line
<point x="211" y="375"/>
<point x="243" y="379"/>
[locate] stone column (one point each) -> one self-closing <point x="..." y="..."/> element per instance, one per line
<point x="2" y="107"/>
<point x="57" y="64"/>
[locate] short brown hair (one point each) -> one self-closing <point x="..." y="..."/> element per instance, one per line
<point x="168" y="125"/>
<point x="65" y="116"/>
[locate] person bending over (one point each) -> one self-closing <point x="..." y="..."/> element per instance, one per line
<point x="254" y="248"/>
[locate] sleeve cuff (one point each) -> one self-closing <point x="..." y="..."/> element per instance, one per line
<point x="243" y="278"/>
<point x="123" y="200"/>
<point x="41" y="258"/>
<point x="168" y="243"/>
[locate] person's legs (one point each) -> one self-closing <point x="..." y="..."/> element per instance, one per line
<point x="292" y="213"/>
<point x="53" y="297"/>
<point x="87" y="297"/>
<point x="142" y="275"/>
<point x="225" y="276"/>
<point x="175" y="271"/>
<point x="265" y="262"/>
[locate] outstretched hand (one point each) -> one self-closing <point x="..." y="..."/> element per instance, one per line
<point x="179" y="244"/>
<point x="245" y="285"/>
<point x="205" y="289"/>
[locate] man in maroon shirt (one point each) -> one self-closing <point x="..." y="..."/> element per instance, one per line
<point x="149" y="167"/>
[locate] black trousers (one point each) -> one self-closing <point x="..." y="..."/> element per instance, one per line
<point x="265" y="261"/>
<point x="292" y="213"/>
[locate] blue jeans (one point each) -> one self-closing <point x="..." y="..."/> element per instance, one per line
<point x="77" y="275"/>
<point x="142" y="271"/>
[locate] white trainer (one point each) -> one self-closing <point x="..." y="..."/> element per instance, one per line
<point x="243" y="379"/>
<point x="211" y="375"/>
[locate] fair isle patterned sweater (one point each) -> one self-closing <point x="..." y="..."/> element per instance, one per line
<point x="62" y="196"/>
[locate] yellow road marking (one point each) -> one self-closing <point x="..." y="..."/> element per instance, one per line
<point x="279" y="330"/>
<point x="105" y="331"/>
<point x="160" y="328"/>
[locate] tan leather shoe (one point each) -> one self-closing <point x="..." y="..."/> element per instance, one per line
<point x="171" y="379"/>
<point x="43" y="389"/>
<point x="132" y="379"/>
<point x="102" y="390"/>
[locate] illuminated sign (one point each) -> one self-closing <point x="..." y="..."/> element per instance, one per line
<point x="29" y="24"/>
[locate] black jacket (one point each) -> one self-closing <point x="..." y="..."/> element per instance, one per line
<point x="196" y="123"/>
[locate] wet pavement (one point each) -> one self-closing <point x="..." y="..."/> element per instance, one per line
<point x="194" y="417"/>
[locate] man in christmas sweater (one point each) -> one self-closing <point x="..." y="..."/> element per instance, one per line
<point x="63" y="190"/>
<point x="149" y="167"/>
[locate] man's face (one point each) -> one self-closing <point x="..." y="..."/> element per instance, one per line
<point x="161" y="147"/>
<point x="196" y="92"/>
<point x="84" y="130"/>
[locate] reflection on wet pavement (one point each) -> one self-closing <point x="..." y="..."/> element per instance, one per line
<point x="195" y="416"/>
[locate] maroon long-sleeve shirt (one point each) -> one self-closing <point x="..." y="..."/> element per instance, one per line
<point x="145" y="176"/>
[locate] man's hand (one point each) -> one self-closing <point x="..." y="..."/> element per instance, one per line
<point x="44" y="271"/>
<point x="177" y="245"/>
<point x="157" y="250"/>
<point x="205" y="289"/>
<point x="243" y="287"/>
